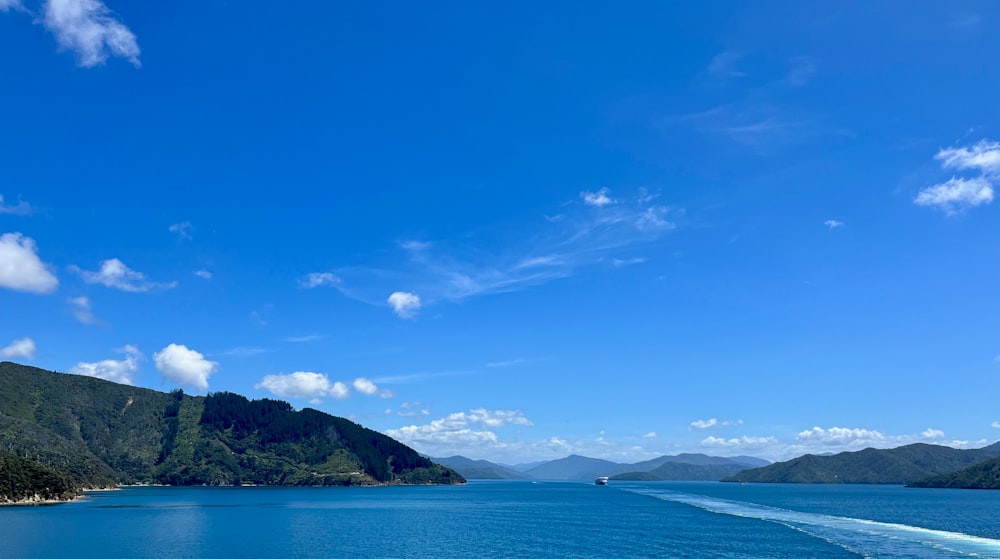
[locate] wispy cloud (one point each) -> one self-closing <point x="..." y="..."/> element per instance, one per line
<point x="89" y="29"/>
<point x="599" y="198"/>
<point x="723" y="65"/>
<point x="996" y="424"/>
<point x="802" y="70"/>
<point x="243" y="351"/>
<point x="319" y="279"/>
<point x="116" y="275"/>
<point x="183" y="230"/>
<point x="958" y="193"/>
<point x="83" y="310"/>
<point x="622" y="262"/>
<point x="650" y="435"/>
<point x="19" y="349"/>
<point x="203" y="274"/>
<point x="590" y="232"/>
<point x="713" y="422"/>
<point x="303" y="339"/>
<point x="22" y="207"/>
<point x="833" y="223"/>
<point x="508" y="363"/>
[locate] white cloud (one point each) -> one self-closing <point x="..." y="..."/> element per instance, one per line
<point x="303" y="384"/>
<point x="184" y="366"/>
<point x="318" y="279"/>
<point x="91" y="31"/>
<point x="365" y="386"/>
<point x="182" y="230"/>
<point x="22" y="207"/>
<point x="650" y="435"/>
<point x="508" y="363"/>
<point x="459" y="432"/>
<point x="841" y="436"/>
<point x="115" y="274"/>
<point x="654" y="218"/>
<point x="598" y="199"/>
<point x="996" y="424"/>
<point x="704" y="423"/>
<point x="984" y="156"/>
<point x="20" y="267"/>
<point x="83" y="310"/>
<point x="957" y="194"/>
<point x="404" y="304"/>
<point x="713" y="422"/>
<point x="932" y="434"/>
<point x="8" y="4"/>
<point x="833" y="223"/>
<point x="121" y="371"/>
<point x="744" y="442"/>
<point x="412" y="409"/>
<point x="19" y="349"/>
<point x="203" y="274"/>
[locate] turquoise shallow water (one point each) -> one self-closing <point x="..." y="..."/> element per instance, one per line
<point x="512" y="519"/>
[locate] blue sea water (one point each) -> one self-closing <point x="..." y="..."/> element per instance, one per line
<point x="511" y="519"/>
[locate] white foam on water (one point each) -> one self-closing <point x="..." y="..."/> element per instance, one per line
<point x="866" y="537"/>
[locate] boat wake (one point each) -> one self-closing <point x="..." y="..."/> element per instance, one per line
<point x="868" y="538"/>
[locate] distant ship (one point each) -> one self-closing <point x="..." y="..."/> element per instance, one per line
<point x="602" y="480"/>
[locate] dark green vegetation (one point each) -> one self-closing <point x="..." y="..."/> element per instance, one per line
<point x="902" y="465"/>
<point x="23" y="480"/>
<point x="674" y="471"/>
<point x="985" y="475"/>
<point x="101" y="434"/>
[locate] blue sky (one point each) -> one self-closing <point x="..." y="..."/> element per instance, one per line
<point x="515" y="231"/>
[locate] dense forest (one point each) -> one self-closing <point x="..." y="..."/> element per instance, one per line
<point x="985" y="475"/>
<point x="101" y="434"/>
<point x="901" y="465"/>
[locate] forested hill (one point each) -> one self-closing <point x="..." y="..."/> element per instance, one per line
<point x="985" y="475"/>
<point x="900" y="465"/>
<point x="100" y="433"/>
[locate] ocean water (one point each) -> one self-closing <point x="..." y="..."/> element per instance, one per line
<point x="511" y="519"/>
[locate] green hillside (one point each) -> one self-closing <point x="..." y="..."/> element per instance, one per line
<point x="100" y="434"/>
<point x="26" y="480"/>
<point x="985" y="475"/>
<point x="893" y="466"/>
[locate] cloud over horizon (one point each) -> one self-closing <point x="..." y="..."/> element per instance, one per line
<point x="121" y="371"/>
<point x="184" y="366"/>
<point x="303" y="384"/>
<point x="23" y="348"/>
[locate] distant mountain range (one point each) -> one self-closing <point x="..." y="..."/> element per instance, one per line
<point x="94" y="433"/>
<point x="575" y="467"/>
<point x="903" y="465"/>
<point x="479" y="469"/>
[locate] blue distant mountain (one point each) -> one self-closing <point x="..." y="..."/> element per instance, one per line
<point x="478" y="469"/>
